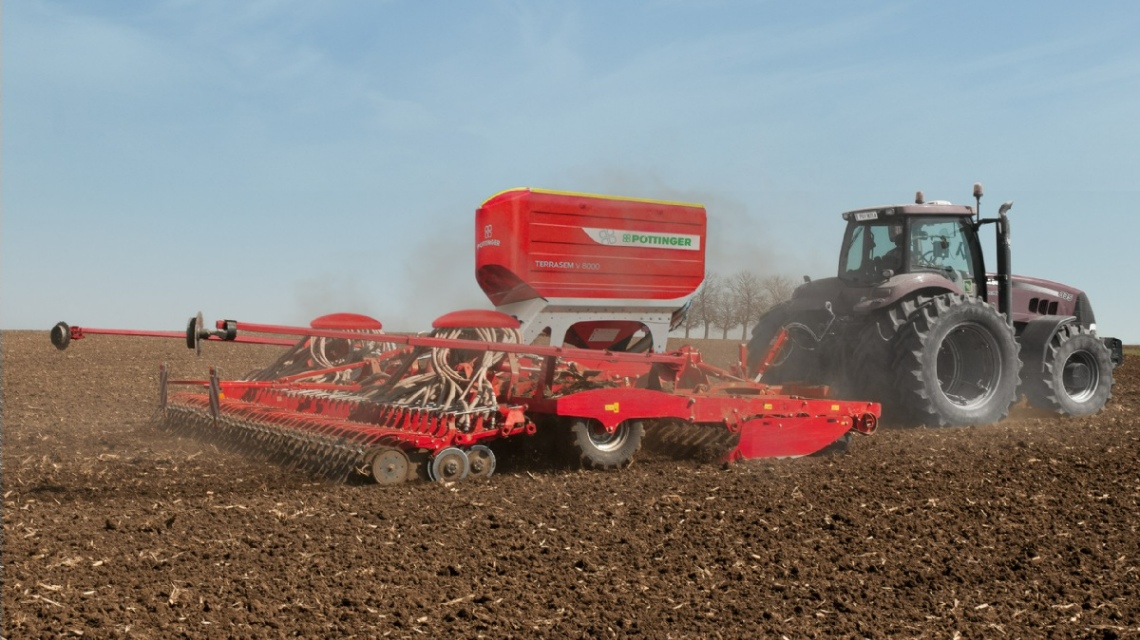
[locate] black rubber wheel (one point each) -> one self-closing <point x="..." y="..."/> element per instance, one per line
<point x="598" y="449"/>
<point x="61" y="335"/>
<point x="1077" y="376"/>
<point x="798" y="360"/>
<point x="870" y="375"/>
<point x="194" y="334"/>
<point x="955" y="363"/>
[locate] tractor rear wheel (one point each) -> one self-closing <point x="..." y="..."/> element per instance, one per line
<point x="956" y="363"/>
<point x="797" y="360"/>
<point x="869" y="371"/>
<point x="597" y="448"/>
<point x="1077" y="376"/>
<point x="869" y="376"/>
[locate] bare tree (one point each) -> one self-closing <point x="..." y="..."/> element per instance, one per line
<point x="707" y="302"/>
<point x="690" y="320"/>
<point x="724" y="312"/>
<point x="777" y="289"/>
<point x="725" y="317"/>
<point x="736" y="301"/>
<point x="749" y="300"/>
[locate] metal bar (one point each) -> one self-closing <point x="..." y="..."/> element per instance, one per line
<point x="468" y="345"/>
<point x="78" y="333"/>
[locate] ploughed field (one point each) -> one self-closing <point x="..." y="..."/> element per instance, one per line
<point x="114" y="529"/>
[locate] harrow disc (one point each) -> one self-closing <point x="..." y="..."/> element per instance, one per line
<point x="390" y="466"/>
<point x="449" y="465"/>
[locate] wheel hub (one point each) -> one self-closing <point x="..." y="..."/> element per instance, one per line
<point x="449" y="465"/>
<point x="607" y="440"/>
<point x="482" y="461"/>
<point x="1080" y="377"/>
<point x="969" y="366"/>
<point x="390" y="467"/>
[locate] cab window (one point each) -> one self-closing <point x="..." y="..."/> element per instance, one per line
<point x="942" y="245"/>
<point x="871" y="248"/>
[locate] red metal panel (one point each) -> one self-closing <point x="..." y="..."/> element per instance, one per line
<point x="475" y="318"/>
<point x="611" y="407"/>
<point x="533" y="243"/>
<point x="788" y="437"/>
<point x="346" y="321"/>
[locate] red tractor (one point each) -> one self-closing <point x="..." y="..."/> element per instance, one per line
<point x="913" y="320"/>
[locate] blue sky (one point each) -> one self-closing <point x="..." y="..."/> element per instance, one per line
<point x="271" y="161"/>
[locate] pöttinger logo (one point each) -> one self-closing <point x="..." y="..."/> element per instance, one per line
<point x="644" y="239"/>
<point x="488" y="241"/>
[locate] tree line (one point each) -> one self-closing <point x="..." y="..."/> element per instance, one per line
<point x="725" y="303"/>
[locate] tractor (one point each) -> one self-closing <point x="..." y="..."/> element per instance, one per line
<point x="914" y="321"/>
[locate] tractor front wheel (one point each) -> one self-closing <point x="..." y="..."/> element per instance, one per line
<point x="1077" y="376"/>
<point x="956" y="363"/>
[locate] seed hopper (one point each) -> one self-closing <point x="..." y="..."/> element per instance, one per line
<point x="586" y="289"/>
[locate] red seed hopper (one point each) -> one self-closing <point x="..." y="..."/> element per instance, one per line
<point x="347" y="399"/>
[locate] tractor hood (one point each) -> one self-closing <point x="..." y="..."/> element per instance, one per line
<point x="1033" y="297"/>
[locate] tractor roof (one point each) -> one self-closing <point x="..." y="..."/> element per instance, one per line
<point x="935" y="208"/>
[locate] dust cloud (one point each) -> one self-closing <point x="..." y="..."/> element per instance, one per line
<point x="742" y="236"/>
<point x="333" y="293"/>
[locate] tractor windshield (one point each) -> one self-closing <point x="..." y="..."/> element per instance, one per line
<point x="870" y="249"/>
<point x="942" y="245"/>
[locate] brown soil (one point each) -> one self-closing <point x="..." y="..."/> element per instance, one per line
<point x="111" y="528"/>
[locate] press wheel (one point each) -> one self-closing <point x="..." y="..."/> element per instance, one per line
<point x="390" y="466"/>
<point x="482" y="461"/>
<point x="449" y="465"/>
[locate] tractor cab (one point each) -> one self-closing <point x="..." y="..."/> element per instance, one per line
<point x="935" y="238"/>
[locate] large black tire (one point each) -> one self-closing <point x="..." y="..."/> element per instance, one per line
<point x="870" y="374"/>
<point x="796" y="362"/>
<point x="1077" y="376"/>
<point x="869" y="369"/>
<point x="597" y="449"/>
<point x="956" y="363"/>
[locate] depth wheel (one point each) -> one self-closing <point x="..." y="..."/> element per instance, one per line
<point x="390" y="466"/>
<point x="482" y="461"/>
<point x="194" y="334"/>
<point x="449" y="465"/>
<point x="61" y="335"/>
<point x="601" y="449"/>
